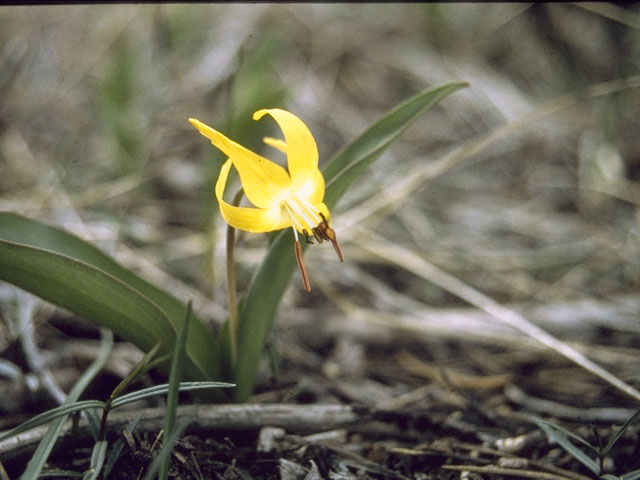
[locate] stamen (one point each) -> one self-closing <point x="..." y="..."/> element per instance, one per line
<point x="336" y="247"/>
<point x="302" y="212"/>
<point x="294" y="223"/>
<point x="303" y="269"/>
<point x="315" y="213"/>
<point x="325" y="232"/>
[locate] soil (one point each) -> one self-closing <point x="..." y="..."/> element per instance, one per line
<point x="403" y="415"/>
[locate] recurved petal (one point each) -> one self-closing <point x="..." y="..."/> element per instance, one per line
<point x="255" y="220"/>
<point x="264" y="182"/>
<point x="301" y="148"/>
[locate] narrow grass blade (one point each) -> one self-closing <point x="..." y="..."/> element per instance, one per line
<point x="561" y="439"/>
<point x="35" y="465"/>
<point x="272" y="278"/>
<point x="22" y="238"/>
<point x="65" y="474"/>
<point x="116" y="451"/>
<point x="163" y="389"/>
<point x="165" y="452"/>
<point x="634" y="475"/>
<point x="137" y="370"/>
<point x="172" y="394"/>
<point x="97" y="460"/>
<point x="123" y="385"/>
<point x="93" y="420"/>
<point x="619" y="433"/>
<point x="567" y="433"/>
<point x="50" y="415"/>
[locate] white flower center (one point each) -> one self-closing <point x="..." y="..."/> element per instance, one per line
<point x="304" y="216"/>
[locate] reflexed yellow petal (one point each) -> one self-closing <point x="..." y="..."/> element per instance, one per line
<point x="255" y="220"/>
<point x="301" y="149"/>
<point x="264" y="182"/>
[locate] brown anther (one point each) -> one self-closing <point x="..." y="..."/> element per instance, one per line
<point x="303" y="269"/>
<point x="324" y="232"/>
<point x="336" y="246"/>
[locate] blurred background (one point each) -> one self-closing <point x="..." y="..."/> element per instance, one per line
<point x="525" y="185"/>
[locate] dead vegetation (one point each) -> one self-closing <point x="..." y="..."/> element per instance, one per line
<point x="516" y="198"/>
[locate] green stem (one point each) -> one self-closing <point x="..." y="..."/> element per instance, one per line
<point x="232" y="292"/>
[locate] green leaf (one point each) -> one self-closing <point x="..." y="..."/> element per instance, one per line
<point x="567" y="433"/>
<point x="163" y="389"/>
<point x="356" y="157"/>
<point x="619" y="433"/>
<point x="172" y="394"/>
<point x="634" y="475"/>
<point x="271" y="279"/>
<point x="97" y="460"/>
<point x="140" y="367"/>
<point x="67" y="271"/>
<point x="118" y="447"/>
<point x="72" y="407"/>
<point x="165" y="450"/>
<point x="554" y="432"/>
<point x="50" y="415"/>
<point x="37" y="461"/>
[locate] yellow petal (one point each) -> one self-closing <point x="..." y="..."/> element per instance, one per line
<point x="301" y="149"/>
<point x="255" y="220"/>
<point x="264" y="182"/>
<point x="313" y="190"/>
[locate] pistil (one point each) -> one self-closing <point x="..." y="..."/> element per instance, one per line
<point x="303" y="269"/>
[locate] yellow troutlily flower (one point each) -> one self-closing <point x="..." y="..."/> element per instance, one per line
<point x="282" y="198"/>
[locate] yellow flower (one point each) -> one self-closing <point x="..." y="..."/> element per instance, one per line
<point x="282" y="198"/>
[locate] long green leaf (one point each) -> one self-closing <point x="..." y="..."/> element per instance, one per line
<point x="68" y="408"/>
<point x="567" y="433"/>
<point x="50" y="415"/>
<point x="271" y="279"/>
<point x="86" y="291"/>
<point x="118" y="447"/>
<point x="172" y="396"/>
<point x="37" y="461"/>
<point x="163" y="389"/>
<point x="619" y="433"/>
<point x="98" y="456"/>
<point x="74" y="274"/>
<point x="165" y="450"/>
<point x="634" y="475"/>
<point x="561" y="439"/>
<point x="357" y="156"/>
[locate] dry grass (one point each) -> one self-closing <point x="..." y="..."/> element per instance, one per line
<point x="523" y="186"/>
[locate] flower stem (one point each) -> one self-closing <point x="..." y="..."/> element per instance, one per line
<point x="232" y="291"/>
